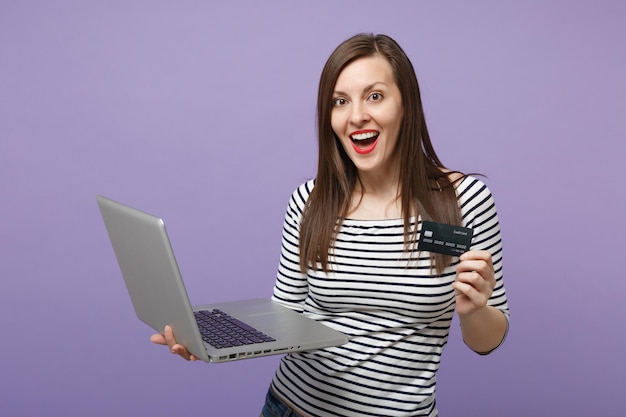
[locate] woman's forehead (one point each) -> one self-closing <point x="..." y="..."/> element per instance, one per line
<point x="364" y="72"/>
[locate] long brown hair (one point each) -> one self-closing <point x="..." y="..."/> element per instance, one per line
<point x="425" y="187"/>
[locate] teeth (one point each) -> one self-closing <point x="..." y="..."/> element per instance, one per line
<point x="364" y="136"/>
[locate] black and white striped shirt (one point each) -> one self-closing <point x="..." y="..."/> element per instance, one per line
<point x="392" y="304"/>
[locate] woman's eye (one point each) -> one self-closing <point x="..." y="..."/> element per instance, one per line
<point x="376" y="96"/>
<point x="339" y="101"/>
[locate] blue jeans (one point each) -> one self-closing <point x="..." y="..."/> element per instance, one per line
<point x="275" y="407"/>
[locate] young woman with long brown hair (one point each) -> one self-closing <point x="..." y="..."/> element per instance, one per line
<point x="349" y="256"/>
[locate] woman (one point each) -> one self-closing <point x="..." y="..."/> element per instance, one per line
<point x="349" y="257"/>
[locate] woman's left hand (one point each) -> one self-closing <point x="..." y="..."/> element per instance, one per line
<point x="475" y="281"/>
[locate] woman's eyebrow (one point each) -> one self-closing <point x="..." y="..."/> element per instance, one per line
<point x="365" y="89"/>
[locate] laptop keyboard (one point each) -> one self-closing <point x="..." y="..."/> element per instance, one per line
<point x="222" y="330"/>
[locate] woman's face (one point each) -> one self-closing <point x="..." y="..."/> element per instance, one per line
<point x="367" y="114"/>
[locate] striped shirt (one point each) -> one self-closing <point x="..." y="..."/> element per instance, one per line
<point x="394" y="307"/>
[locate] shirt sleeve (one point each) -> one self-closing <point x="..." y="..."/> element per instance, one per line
<point x="291" y="286"/>
<point x="479" y="213"/>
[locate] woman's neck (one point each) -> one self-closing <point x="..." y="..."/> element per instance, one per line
<point x="376" y="198"/>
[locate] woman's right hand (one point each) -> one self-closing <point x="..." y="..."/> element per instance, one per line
<point x="168" y="339"/>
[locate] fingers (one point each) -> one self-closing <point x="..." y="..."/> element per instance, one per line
<point x="475" y="265"/>
<point x="479" y="259"/>
<point x="168" y="339"/>
<point x="158" y="339"/>
<point x="168" y="335"/>
<point x="176" y="348"/>
<point x="477" y="255"/>
<point x="181" y="351"/>
<point x="475" y="281"/>
<point x="478" y="294"/>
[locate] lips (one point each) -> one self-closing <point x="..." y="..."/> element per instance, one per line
<point x="364" y="141"/>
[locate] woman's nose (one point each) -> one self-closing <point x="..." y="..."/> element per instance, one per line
<point x="359" y="114"/>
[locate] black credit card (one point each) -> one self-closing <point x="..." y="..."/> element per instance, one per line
<point x="444" y="238"/>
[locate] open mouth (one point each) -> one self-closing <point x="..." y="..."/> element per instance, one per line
<point x="364" y="141"/>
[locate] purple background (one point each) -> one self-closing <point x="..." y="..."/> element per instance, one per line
<point x="204" y="114"/>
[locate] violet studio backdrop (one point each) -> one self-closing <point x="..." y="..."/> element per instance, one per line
<point x="204" y="113"/>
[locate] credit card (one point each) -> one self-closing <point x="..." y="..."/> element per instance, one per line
<point x="444" y="238"/>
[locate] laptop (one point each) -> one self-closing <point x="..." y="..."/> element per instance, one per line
<point x="250" y="328"/>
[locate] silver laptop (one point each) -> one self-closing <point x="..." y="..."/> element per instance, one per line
<point x="246" y="328"/>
